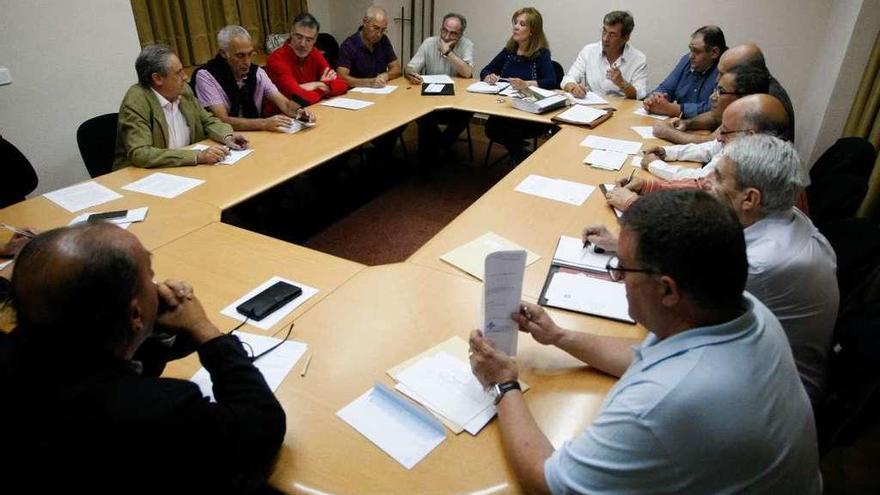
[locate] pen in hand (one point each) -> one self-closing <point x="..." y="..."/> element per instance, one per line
<point x="628" y="180"/>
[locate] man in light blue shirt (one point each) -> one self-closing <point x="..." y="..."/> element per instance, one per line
<point x="686" y="90"/>
<point x="709" y="402"/>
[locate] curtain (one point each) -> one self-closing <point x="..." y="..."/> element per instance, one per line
<point x="190" y="26"/>
<point x="864" y="122"/>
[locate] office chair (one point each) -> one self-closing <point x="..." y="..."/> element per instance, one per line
<point x="19" y="177"/>
<point x="96" y="138"/>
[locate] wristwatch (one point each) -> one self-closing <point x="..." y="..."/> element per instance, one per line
<point x="499" y="389"/>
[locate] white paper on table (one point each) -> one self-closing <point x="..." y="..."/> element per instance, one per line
<point x="437" y="79"/>
<point x="573" y="193"/>
<point x="346" y="103"/>
<point x="579" y="292"/>
<point x="163" y="185"/>
<point x="231" y="158"/>
<point x="645" y="131"/>
<point x="276" y="316"/>
<point x="636" y="162"/>
<point x="609" y="188"/>
<point x="447" y="386"/>
<point x="484" y="87"/>
<point x="297" y="125"/>
<point x="571" y="251"/>
<point x="509" y="91"/>
<point x="608" y="160"/>
<point x="546" y="93"/>
<point x="471" y="257"/>
<point x="4" y="264"/>
<point x="131" y="216"/>
<point x="610" y="144"/>
<point x="399" y="428"/>
<point x="473" y="427"/>
<point x="582" y="114"/>
<point x="80" y="196"/>
<point x="644" y="113"/>
<point x="384" y="90"/>
<point x="502" y="293"/>
<point x="274" y="366"/>
<point x="434" y="88"/>
<point x="591" y="99"/>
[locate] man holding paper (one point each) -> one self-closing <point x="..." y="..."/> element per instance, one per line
<point x="453" y="55"/>
<point x="80" y="376"/>
<point x="160" y="115"/>
<point x="709" y="402"/>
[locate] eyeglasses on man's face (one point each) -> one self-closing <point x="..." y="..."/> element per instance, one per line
<point x="617" y="271"/>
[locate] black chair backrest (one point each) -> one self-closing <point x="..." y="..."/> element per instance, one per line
<point x="17" y="175"/>
<point x="839" y="180"/>
<point x="328" y="45"/>
<point x="560" y="72"/>
<point x="96" y="138"/>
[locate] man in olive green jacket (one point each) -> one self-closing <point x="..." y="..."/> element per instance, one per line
<point x="160" y="115"/>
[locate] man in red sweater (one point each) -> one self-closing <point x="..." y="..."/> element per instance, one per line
<point x="299" y="70"/>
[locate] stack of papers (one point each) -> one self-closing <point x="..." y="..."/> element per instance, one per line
<point x="274" y="366"/>
<point x="608" y="160"/>
<point x="81" y="196"/>
<point x="581" y="114"/>
<point x="471" y="257"/>
<point x="398" y="427"/>
<point x="646" y="132"/>
<point x="231" y="158"/>
<point x="610" y="144"/>
<point x="573" y="193"/>
<point x="642" y="112"/>
<point x="163" y="185"/>
<point x="131" y="216"/>
<point x="279" y="314"/>
<point x="384" y="90"/>
<point x="571" y="252"/>
<point x="483" y="87"/>
<point x="585" y="294"/>
<point x="590" y="99"/>
<point x="346" y="103"/>
<point x="437" y="79"/>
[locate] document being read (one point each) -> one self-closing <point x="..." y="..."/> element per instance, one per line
<point x="502" y="294"/>
<point x="401" y="429"/>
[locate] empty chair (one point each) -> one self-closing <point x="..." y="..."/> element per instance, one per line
<point x="96" y="138"/>
<point x="839" y="180"/>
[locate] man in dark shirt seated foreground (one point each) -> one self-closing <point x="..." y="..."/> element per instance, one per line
<point x="81" y="410"/>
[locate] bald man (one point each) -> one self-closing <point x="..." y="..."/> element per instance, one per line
<point x="75" y="382"/>
<point x="749" y="54"/>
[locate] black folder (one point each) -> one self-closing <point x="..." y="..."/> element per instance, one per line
<point x="448" y="90"/>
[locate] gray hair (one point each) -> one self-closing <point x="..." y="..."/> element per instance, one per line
<point x="228" y="33"/>
<point x="771" y="166"/>
<point x="153" y="59"/>
<point x="374" y="11"/>
<point x="307" y="21"/>
<point x="622" y="17"/>
<point x="458" y="16"/>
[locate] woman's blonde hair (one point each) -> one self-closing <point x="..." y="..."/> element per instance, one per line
<point x="537" y="40"/>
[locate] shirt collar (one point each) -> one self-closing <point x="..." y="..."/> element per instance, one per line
<point x="653" y="351"/>
<point x="623" y="54"/>
<point x="162" y="100"/>
<point x="759" y="229"/>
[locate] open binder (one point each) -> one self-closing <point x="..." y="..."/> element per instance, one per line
<point x="577" y="281"/>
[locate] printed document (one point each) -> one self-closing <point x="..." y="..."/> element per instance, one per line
<point x="163" y="185"/>
<point x="645" y="131"/>
<point x="608" y="160"/>
<point x="484" y="87"/>
<point x="643" y="113"/>
<point x="384" y="90"/>
<point x="581" y="114"/>
<point x="573" y="193"/>
<point x="398" y="427"/>
<point x="434" y="88"/>
<point x="502" y="294"/>
<point x="437" y="79"/>
<point x="346" y="103"/>
<point x="610" y="144"/>
<point x="591" y="295"/>
<point x="81" y="196"/>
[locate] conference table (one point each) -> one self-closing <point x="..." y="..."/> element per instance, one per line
<point x="365" y="320"/>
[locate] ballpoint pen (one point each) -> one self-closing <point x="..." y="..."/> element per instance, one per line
<point x="628" y="180"/>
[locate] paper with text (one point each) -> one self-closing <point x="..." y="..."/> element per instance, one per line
<point x="163" y="185"/>
<point x="274" y="366"/>
<point x="471" y="257"/>
<point x="437" y="79"/>
<point x="399" y="428"/>
<point x="573" y="193"/>
<point x="610" y="144"/>
<point x="81" y="196"/>
<point x="384" y="90"/>
<point x="596" y="296"/>
<point x="608" y="160"/>
<point x="279" y="314"/>
<point x="346" y="103"/>
<point x="502" y="294"/>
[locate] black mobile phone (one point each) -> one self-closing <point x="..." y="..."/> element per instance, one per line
<point x="107" y="215"/>
<point x="269" y="300"/>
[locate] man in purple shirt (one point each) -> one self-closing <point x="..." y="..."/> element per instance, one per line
<point x="686" y="90"/>
<point x="367" y="58"/>
<point x="233" y="88"/>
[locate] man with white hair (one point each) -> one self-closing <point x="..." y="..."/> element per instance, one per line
<point x="233" y="88"/>
<point x="367" y="58"/>
<point x="792" y="267"/>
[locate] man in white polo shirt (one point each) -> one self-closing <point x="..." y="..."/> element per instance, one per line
<point x="709" y="402"/>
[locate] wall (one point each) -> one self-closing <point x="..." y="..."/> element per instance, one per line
<point x="321" y="10"/>
<point x="68" y="64"/>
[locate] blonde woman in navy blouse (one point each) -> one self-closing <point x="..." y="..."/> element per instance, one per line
<point x="524" y="61"/>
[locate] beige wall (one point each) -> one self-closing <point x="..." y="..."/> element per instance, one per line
<point x="69" y="61"/>
<point x="321" y="10"/>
